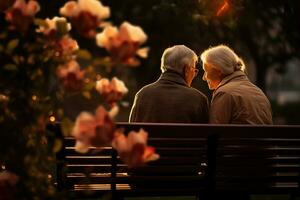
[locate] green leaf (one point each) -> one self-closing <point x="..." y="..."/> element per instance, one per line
<point x="10" y="67"/>
<point x="89" y="86"/>
<point x="103" y="62"/>
<point x="16" y="59"/>
<point x="66" y="126"/>
<point x="57" y="145"/>
<point x="61" y="28"/>
<point x="84" y="54"/>
<point x="3" y="35"/>
<point x="87" y="94"/>
<point x="40" y="22"/>
<point x="12" y="45"/>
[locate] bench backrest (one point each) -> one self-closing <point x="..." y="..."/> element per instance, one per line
<point x="195" y="159"/>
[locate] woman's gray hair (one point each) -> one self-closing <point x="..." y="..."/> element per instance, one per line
<point x="176" y="58"/>
<point x="223" y="58"/>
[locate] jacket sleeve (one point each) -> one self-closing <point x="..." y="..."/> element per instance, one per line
<point x="221" y="108"/>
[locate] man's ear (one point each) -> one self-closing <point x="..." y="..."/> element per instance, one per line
<point x="186" y="71"/>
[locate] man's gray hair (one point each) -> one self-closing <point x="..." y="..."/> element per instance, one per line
<point x="223" y="58"/>
<point x="176" y="58"/>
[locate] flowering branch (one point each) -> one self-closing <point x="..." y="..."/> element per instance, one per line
<point x="41" y="64"/>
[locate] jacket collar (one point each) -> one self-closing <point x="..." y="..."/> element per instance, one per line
<point x="234" y="75"/>
<point x="172" y="76"/>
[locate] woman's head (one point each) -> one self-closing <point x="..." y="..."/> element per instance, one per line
<point x="218" y="62"/>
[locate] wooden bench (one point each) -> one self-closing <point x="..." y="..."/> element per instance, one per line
<point x="208" y="161"/>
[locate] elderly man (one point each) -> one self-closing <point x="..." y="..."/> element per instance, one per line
<point x="235" y="99"/>
<point x="171" y="98"/>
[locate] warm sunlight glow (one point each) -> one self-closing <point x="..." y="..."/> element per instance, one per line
<point x="52" y="119"/>
<point x="34" y="97"/>
<point x="223" y="8"/>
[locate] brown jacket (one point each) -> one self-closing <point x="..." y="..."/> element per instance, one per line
<point x="169" y="99"/>
<point x="237" y="101"/>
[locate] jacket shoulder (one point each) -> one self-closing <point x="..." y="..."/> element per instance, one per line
<point x="197" y="93"/>
<point x="146" y="89"/>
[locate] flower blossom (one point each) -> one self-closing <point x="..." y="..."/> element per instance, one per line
<point x="51" y="27"/>
<point x="62" y="45"/>
<point x="90" y="130"/>
<point x="66" y="46"/>
<point x="123" y="44"/>
<point x="21" y="14"/>
<point x="70" y="75"/>
<point x="7" y="177"/>
<point x="85" y="15"/>
<point x="61" y="48"/>
<point x="8" y="181"/>
<point x="133" y="149"/>
<point x="111" y="91"/>
<point x="5" y="4"/>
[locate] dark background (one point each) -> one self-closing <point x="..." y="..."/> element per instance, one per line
<point x="264" y="33"/>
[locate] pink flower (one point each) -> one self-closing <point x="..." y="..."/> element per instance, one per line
<point x="70" y="9"/>
<point x="61" y="48"/>
<point x="51" y="25"/>
<point x="133" y="150"/>
<point x="66" y="46"/>
<point x="20" y="15"/>
<point x="5" y="4"/>
<point x="8" y="178"/>
<point x="70" y="75"/>
<point x="8" y="181"/>
<point x="92" y="130"/>
<point x="111" y="91"/>
<point x="123" y="44"/>
<point x="85" y="15"/>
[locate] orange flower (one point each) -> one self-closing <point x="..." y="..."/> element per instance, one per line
<point x="8" y="181"/>
<point x="85" y="15"/>
<point x="66" y="46"/>
<point x="92" y="130"/>
<point x="21" y="14"/>
<point x="111" y="91"/>
<point x="133" y="150"/>
<point x="123" y="44"/>
<point x="8" y="178"/>
<point x="70" y="75"/>
<point x="51" y="25"/>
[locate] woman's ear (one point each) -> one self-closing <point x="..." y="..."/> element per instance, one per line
<point x="219" y="74"/>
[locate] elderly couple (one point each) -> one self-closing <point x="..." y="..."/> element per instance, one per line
<point x="171" y="98"/>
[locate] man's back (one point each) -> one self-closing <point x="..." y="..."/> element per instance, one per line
<point x="169" y="99"/>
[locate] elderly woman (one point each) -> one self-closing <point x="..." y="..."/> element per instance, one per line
<point x="235" y="99"/>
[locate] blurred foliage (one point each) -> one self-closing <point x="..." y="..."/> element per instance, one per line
<point x="266" y="34"/>
<point x="36" y="89"/>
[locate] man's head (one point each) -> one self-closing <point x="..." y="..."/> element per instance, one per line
<point x="219" y="62"/>
<point x="182" y="60"/>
